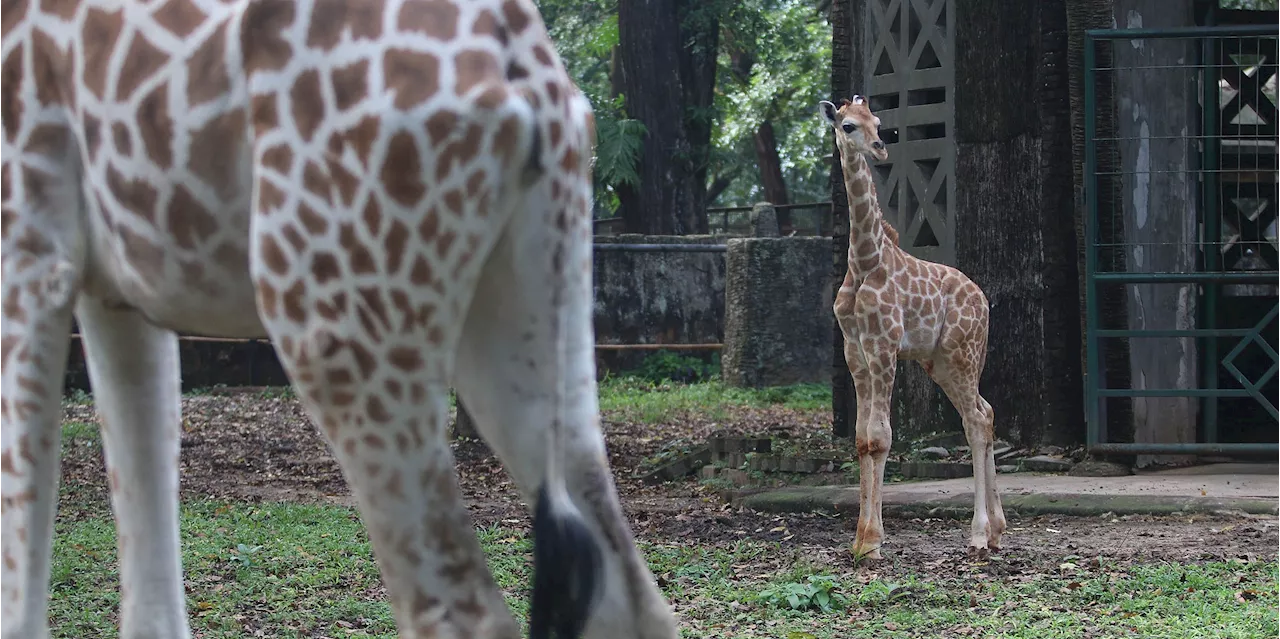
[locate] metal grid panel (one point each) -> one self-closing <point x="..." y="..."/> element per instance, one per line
<point x="1210" y="245"/>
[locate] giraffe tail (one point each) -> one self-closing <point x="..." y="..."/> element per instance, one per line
<point x="566" y="567"/>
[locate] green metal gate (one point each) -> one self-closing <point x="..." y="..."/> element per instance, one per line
<point x="1207" y="150"/>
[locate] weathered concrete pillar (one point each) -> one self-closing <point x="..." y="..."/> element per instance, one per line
<point x="778" y="317"/>
<point x="764" y="220"/>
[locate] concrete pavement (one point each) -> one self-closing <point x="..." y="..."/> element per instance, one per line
<point x="1249" y="488"/>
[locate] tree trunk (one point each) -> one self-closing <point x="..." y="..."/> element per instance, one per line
<point x="1063" y="410"/>
<point x="845" y="61"/>
<point x="1083" y="15"/>
<point x="775" y="187"/>
<point x="668" y="65"/>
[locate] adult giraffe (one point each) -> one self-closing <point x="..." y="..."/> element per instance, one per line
<point x="378" y="186"/>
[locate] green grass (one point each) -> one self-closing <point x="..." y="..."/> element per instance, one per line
<point x="305" y="571"/>
<point x="639" y="399"/>
<point x="646" y="401"/>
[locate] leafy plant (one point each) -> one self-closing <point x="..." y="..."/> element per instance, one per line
<point x="243" y="555"/>
<point x="664" y="366"/>
<point x="817" y="591"/>
<point x="619" y="144"/>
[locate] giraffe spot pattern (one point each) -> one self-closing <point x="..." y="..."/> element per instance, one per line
<point x="180" y="17"/>
<point x="413" y="76"/>
<point x="207" y="76"/>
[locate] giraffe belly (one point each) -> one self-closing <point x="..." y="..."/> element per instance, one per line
<point x="919" y="341"/>
<point x="185" y="292"/>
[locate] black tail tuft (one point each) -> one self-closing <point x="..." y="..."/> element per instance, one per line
<point x="566" y="570"/>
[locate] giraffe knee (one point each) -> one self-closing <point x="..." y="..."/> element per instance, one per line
<point x="875" y="442"/>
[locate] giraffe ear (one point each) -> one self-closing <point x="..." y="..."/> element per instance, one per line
<point x="859" y="100"/>
<point x="828" y="112"/>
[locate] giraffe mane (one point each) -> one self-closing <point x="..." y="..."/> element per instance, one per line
<point x="889" y="231"/>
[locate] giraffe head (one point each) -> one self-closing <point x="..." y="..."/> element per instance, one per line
<point x="857" y="128"/>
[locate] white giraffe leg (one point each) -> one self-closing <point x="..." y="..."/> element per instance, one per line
<point x="370" y="350"/>
<point x="36" y="337"/>
<point x="507" y="369"/>
<point x="384" y="416"/>
<point x="39" y="279"/>
<point x="133" y="367"/>
<point x="988" y="521"/>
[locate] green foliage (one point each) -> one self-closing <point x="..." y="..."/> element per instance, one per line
<point x="817" y="591"/>
<point x="790" y="42"/>
<point x="665" y="366"/>
<point x="242" y="556"/>
<point x="315" y="576"/>
<point x="619" y="143"/>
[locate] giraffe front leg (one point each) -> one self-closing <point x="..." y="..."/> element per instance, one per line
<point x="873" y="440"/>
<point x="511" y="376"/>
<point x="134" y="369"/>
<point x="383" y="409"/>
<point x="866" y="465"/>
<point x="38" y="290"/>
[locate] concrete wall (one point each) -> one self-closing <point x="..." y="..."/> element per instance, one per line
<point x="641" y="297"/>
<point x="778" y="317"/>
<point x="652" y="297"/>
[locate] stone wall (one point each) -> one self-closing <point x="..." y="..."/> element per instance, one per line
<point x="657" y="296"/>
<point x="641" y="297"/>
<point x="778" y="316"/>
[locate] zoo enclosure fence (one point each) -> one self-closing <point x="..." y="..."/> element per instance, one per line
<point x="1180" y="230"/>
<point x="807" y="219"/>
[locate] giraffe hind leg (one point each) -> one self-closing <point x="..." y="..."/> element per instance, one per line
<point x="36" y="338"/>
<point x="510" y="376"/>
<point x="957" y="373"/>
<point x="134" y="369"/>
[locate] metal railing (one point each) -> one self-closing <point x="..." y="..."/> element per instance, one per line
<point x="1180" y="229"/>
<point x="725" y="220"/>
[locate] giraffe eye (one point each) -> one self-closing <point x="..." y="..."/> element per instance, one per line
<point x="849" y="127"/>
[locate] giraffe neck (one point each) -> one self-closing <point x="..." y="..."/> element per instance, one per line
<point x="866" y="225"/>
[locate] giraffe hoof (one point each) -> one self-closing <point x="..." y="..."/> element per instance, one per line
<point x="978" y="553"/>
<point x="864" y="554"/>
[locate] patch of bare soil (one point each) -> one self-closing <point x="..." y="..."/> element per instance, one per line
<point x="244" y="446"/>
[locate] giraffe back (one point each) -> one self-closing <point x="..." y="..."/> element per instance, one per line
<point x="150" y="131"/>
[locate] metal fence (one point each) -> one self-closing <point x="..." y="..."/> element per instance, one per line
<point x="807" y="219"/>
<point x="1180" y="236"/>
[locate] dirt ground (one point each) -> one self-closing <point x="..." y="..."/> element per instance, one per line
<point x="247" y="447"/>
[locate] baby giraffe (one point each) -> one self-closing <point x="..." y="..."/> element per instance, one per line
<point x="893" y="306"/>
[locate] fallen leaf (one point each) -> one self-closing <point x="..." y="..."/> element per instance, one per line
<point x="1074" y="585"/>
<point x="1246" y="595"/>
<point x="889" y="625"/>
